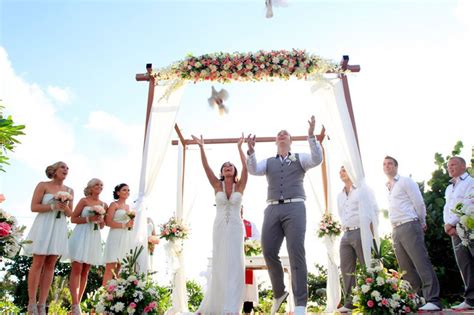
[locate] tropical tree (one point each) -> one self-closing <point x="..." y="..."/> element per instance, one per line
<point x="8" y="136"/>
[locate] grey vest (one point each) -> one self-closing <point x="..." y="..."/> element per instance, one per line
<point x="285" y="181"/>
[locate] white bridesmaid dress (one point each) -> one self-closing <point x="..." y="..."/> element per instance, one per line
<point x="85" y="243"/>
<point x="48" y="233"/>
<point x="119" y="241"/>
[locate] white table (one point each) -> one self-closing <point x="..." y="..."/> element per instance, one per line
<point x="258" y="263"/>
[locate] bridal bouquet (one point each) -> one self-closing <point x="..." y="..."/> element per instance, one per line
<point x="63" y="197"/>
<point x="174" y="229"/>
<point x="98" y="210"/>
<point x="131" y="293"/>
<point x="329" y="226"/>
<point x="465" y="211"/>
<point x="10" y="234"/>
<point x="252" y="247"/>
<point x="382" y="291"/>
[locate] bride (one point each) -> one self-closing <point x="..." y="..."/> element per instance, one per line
<point x="225" y="291"/>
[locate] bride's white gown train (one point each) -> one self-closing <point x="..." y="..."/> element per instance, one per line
<point x="225" y="290"/>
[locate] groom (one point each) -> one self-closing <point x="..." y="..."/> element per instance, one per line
<point x="285" y="215"/>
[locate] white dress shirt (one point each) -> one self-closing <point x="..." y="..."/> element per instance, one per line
<point x="405" y="201"/>
<point x="307" y="161"/>
<point x="348" y="208"/>
<point x="458" y="191"/>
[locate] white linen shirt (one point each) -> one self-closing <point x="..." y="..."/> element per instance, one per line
<point x="463" y="187"/>
<point x="307" y="161"/>
<point x="405" y="201"/>
<point x="348" y="208"/>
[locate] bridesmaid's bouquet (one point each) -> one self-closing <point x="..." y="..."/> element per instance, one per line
<point x="10" y="234"/>
<point x="329" y="226"/>
<point x="465" y="211"/>
<point x="174" y="229"/>
<point x="152" y="241"/>
<point x="131" y="215"/>
<point x="97" y="210"/>
<point x="62" y="197"/>
<point x="252" y="247"/>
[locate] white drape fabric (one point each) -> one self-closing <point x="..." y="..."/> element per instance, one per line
<point x="178" y="296"/>
<point x="344" y="150"/>
<point x="157" y="141"/>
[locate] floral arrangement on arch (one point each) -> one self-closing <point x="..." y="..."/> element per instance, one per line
<point x="130" y="293"/>
<point x="262" y="65"/>
<point x="10" y="234"/>
<point x="174" y="229"/>
<point x="465" y="228"/>
<point x="382" y="291"/>
<point x="252" y="247"/>
<point x="328" y="226"/>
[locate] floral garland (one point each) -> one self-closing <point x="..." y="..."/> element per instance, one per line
<point x="226" y="67"/>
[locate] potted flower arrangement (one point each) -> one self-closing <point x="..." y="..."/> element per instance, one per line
<point x="131" y="293"/>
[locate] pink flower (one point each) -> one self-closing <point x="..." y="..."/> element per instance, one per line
<point x="370" y="303"/>
<point x="407" y="309"/>
<point x="132" y="305"/>
<point x="411" y="296"/>
<point x="394" y="286"/>
<point x="369" y="280"/>
<point x="110" y="297"/>
<point x="147" y="309"/>
<point x="174" y="230"/>
<point x="152" y="305"/>
<point x="135" y="282"/>
<point x="2" y="198"/>
<point x="110" y="288"/>
<point x="384" y="302"/>
<point x="4" y="229"/>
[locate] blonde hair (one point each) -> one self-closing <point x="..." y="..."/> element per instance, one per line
<point x="51" y="169"/>
<point x="90" y="184"/>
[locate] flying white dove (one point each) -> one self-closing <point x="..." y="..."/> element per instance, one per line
<point x="269" y="5"/>
<point x="217" y="100"/>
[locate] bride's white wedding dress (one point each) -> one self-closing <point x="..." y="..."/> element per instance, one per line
<point x="225" y="290"/>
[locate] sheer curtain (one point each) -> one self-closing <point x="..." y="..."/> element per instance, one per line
<point x="345" y="152"/>
<point x="157" y="141"/>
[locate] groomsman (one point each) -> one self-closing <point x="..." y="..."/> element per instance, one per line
<point x="407" y="214"/>
<point x="285" y="215"/>
<point x="350" y="248"/>
<point x="462" y="186"/>
<point x="251" y="288"/>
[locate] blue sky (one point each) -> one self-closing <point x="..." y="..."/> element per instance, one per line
<point x="68" y="68"/>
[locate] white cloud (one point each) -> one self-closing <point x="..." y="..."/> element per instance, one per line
<point x="110" y="125"/>
<point x="50" y="136"/>
<point x="61" y="95"/>
<point x="464" y="12"/>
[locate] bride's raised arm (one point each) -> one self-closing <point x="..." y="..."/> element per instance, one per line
<point x="215" y="183"/>
<point x="244" y="175"/>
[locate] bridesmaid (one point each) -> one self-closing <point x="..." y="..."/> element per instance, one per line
<point x="48" y="233"/>
<point x="85" y="244"/>
<point x="119" y="240"/>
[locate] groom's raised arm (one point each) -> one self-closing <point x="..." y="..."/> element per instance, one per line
<point x="252" y="166"/>
<point x="316" y="157"/>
